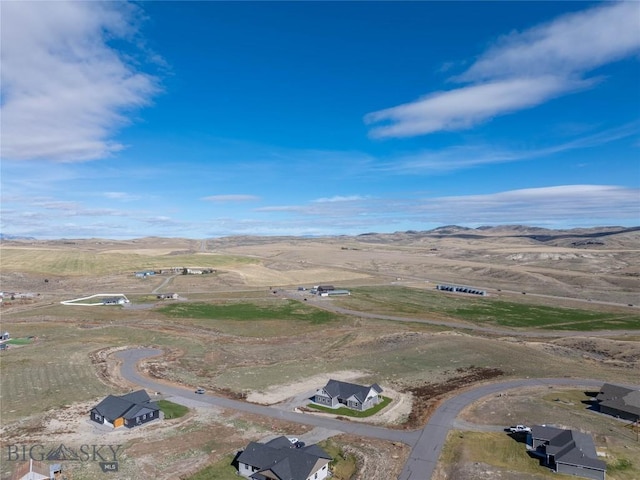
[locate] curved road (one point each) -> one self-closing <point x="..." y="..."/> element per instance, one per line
<point x="426" y="443"/>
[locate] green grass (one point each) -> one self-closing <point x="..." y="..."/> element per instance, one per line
<point x="431" y="304"/>
<point x="349" y="412"/>
<point x="620" y="465"/>
<point x="172" y="410"/>
<point x="221" y="470"/>
<point x="522" y="315"/>
<point x="283" y="310"/>
<point x="19" y="341"/>
<point x="343" y="466"/>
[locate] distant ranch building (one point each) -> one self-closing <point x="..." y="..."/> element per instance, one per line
<point x="114" y="301"/>
<point x="461" y="289"/>
<point x="145" y="273"/>
<point x="168" y="296"/>
<point x="335" y="293"/>
<point x="328" y="291"/>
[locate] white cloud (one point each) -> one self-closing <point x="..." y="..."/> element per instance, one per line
<point x="64" y="89"/>
<point x="563" y="204"/>
<point x="231" y="198"/>
<point x="522" y="70"/>
<point x="469" y="156"/>
<point x="465" y="107"/>
<point x="339" y="198"/>
<point x="123" y="196"/>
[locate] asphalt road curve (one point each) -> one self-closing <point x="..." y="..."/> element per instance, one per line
<point x="426" y="443"/>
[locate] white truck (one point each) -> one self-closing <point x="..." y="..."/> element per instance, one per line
<point x="520" y="429"/>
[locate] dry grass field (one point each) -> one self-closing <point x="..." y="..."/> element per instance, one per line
<point x="230" y="333"/>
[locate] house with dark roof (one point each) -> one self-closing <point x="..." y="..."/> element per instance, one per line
<point x="130" y="410"/>
<point x="359" y="397"/>
<point x="566" y="451"/>
<point x="279" y="459"/>
<point x="619" y="401"/>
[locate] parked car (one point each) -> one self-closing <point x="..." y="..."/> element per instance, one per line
<point x="520" y="429"/>
<point x="200" y="391"/>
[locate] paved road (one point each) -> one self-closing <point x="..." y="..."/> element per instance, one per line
<point x="426" y="443"/>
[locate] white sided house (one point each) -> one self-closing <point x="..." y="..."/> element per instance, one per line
<point x="359" y="397"/>
<point x="279" y="459"/>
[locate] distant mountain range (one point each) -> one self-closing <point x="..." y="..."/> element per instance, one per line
<point x="586" y="236"/>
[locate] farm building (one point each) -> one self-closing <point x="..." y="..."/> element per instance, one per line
<point x="359" y="397"/>
<point x="619" y="401"/>
<point x="461" y="289"/>
<point x="334" y="293"/>
<point x="566" y="451"/>
<point x="324" y="288"/>
<point x="145" y="273"/>
<point x="280" y="459"/>
<point x="130" y="410"/>
<point x="168" y="296"/>
<point x="114" y="301"/>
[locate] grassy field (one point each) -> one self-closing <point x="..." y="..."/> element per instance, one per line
<point x="172" y="410"/>
<point x="221" y="470"/>
<point x="420" y="303"/>
<point x="282" y="310"/>
<point x="69" y="262"/>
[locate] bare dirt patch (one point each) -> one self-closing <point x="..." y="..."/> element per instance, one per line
<point x="427" y="397"/>
<point x="280" y="393"/>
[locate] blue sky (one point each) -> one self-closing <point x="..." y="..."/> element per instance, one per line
<point x="206" y="119"/>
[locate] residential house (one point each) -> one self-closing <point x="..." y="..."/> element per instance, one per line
<point x="130" y="410"/>
<point x="358" y="397"/>
<point x="619" y="401"/>
<point x="566" y="451"/>
<point x="35" y="470"/>
<point x="168" y="296"/>
<point x="279" y="459"/>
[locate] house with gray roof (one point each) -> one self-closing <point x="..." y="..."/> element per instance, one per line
<point x="619" y="401"/>
<point x="130" y="410"/>
<point x="279" y="459"/>
<point x="359" y="397"/>
<point x="566" y="451"/>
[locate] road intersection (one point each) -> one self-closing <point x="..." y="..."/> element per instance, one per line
<point x="426" y="443"/>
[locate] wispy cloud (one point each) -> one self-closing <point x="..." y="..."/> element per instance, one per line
<point x="231" y="198"/>
<point x="563" y="204"/>
<point x="64" y="89"/>
<point x="469" y="156"/>
<point x="340" y="198"/>
<point x="521" y="71"/>
<point x="122" y="196"/>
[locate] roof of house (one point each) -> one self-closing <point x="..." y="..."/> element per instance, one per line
<point x="130" y="405"/>
<point x="620" y="398"/>
<point x="569" y="446"/>
<point x="282" y="459"/>
<point x="336" y="388"/>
